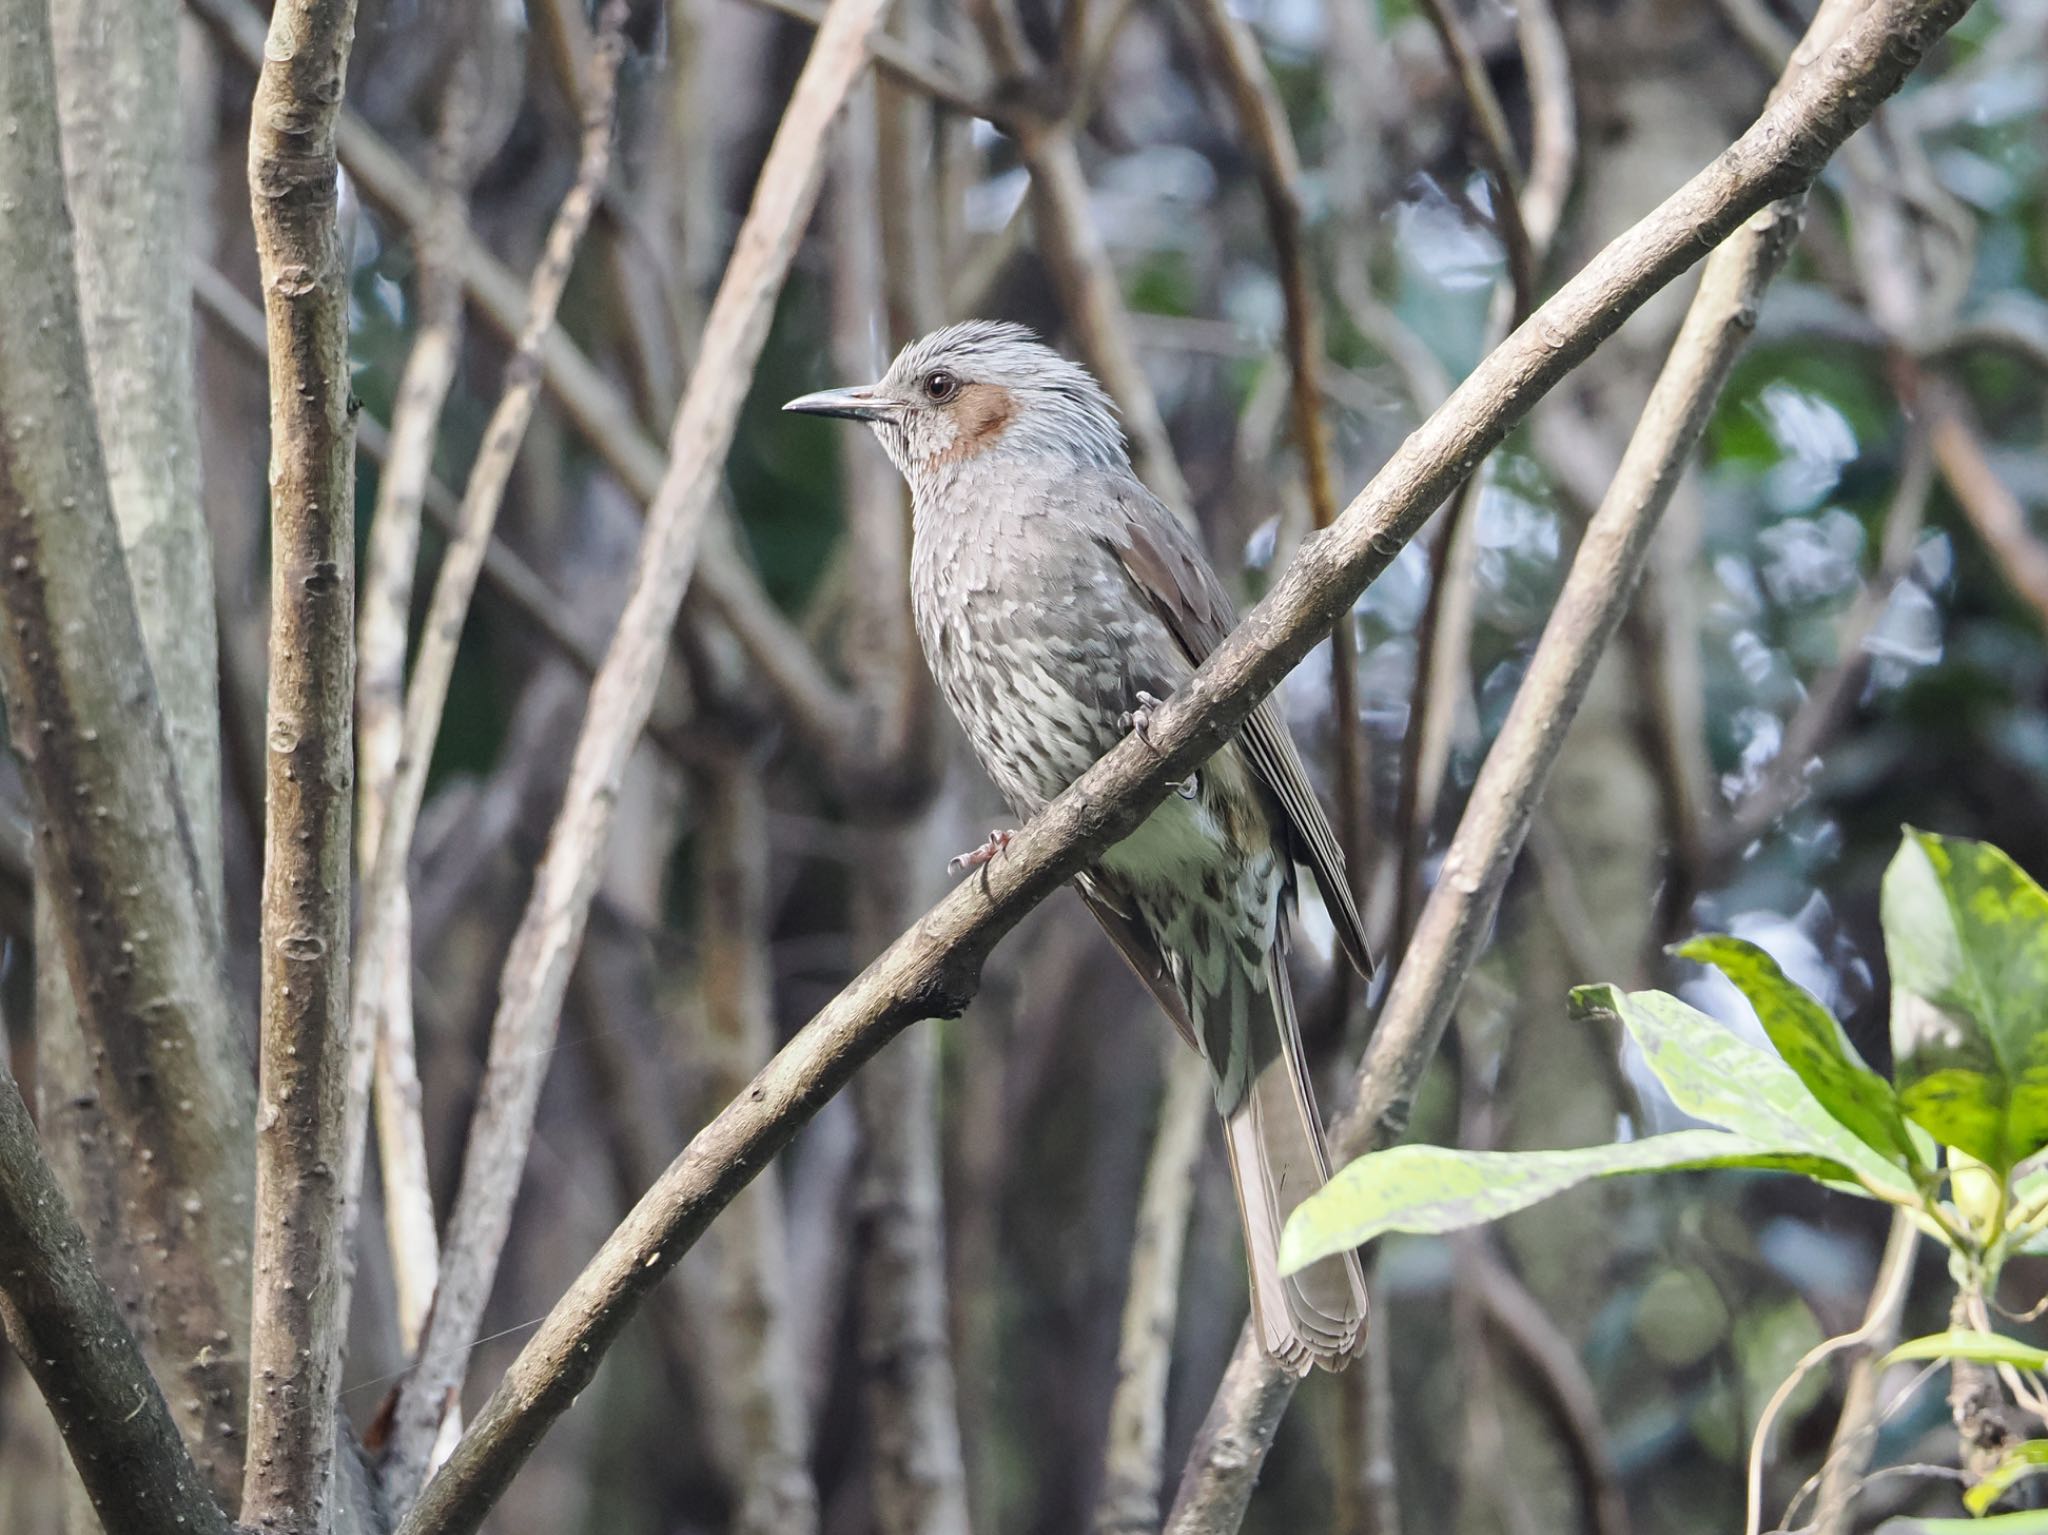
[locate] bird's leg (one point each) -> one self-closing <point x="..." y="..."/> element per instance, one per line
<point x="1140" y="718"/>
<point x="998" y="842"/>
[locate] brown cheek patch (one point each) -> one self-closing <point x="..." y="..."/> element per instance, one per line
<point x="981" y="414"/>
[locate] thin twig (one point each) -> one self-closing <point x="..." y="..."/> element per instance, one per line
<point x="1132" y="1473"/>
<point x="932" y="969"/>
<point x="746" y="1327"/>
<point x="1992" y="509"/>
<point x="386" y="946"/>
<point x="304" y="1177"/>
<point x="1531" y="214"/>
<point x="382" y="1039"/>
<point x="63" y="1322"/>
<point x="537" y="967"/>
<point x="1557" y="1378"/>
<point x="120" y="875"/>
<point x="1496" y="148"/>
<point x="1850" y="1449"/>
<point x="1262" y="125"/>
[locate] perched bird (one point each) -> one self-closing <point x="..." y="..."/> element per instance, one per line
<point x="1058" y="601"/>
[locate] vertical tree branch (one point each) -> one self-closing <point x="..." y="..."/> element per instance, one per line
<point x="385" y="950"/>
<point x="751" y="1375"/>
<point x="1132" y="1472"/>
<point x="131" y="925"/>
<point x="1262" y="124"/>
<point x="65" y="1326"/>
<point x="385" y="1038"/>
<point x="537" y="968"/>
<point x="299" y="1308"/>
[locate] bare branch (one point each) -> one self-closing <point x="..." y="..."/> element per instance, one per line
<point x="1850" y="1448"/>
<point x="382" y="1042"/>
<point x="300" y="1304"/>
<point x="1993" y="510"/>
<point x="1262" y="124"/>
<point x="133" y="930"/>
<point x="69" y="1333"/>
<point x="750" y="1368"/>
<point x="1132" y="1473"/>
<point x="385" y="951"/>
<point x="932" y="969"/>
<point x="947" y="81"/>
<point x="1496" y="148"/>
<point x="537" y="968"/>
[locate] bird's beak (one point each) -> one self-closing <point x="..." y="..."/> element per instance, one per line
<point x="865" y="403"/>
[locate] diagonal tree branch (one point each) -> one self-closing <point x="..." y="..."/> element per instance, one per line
<point x="120" y="872"/>
<point x="63" y="1322"/>
<point x="299" y="1307"/>
<point x="1865" y="63"/>
<point x="543" y="949"/>
<point x="933" y="968"/>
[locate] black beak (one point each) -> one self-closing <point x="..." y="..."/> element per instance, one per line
<point x="865" y="403"/>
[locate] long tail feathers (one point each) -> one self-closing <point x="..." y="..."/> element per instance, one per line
<point x="1277" y="1159"/>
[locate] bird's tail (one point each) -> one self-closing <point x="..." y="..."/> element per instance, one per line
<point x="1278" y="1157"/>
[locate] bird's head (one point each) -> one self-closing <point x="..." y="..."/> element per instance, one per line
<point x="980" y="388"/>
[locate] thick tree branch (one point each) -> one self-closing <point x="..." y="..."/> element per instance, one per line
<point x="132" y="926"/>
<point x="299" y="1307"/>
<point x="933" y="968"/>
<point x="65" y="1326"/>
<point x="537" y="969"/>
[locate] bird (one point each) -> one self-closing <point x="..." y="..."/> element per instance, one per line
<point x="1058" y="603"/>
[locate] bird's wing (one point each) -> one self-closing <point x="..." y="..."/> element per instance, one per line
<point x="1169" y="571"/>
<point x="1139" y="951"/>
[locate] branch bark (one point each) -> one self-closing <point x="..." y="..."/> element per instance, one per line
<point x="121" y="876"/>
<point x="932" y="969"/>
<point x="537" y="968"/>
<point x="300" y="1304"/>
<point x="1262" y="124"/>
<point x="385" y="953"/>
<point x="1132" y="1472"/>
<point x="68" y="1331"/>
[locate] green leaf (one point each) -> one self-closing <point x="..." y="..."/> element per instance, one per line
<point x="1966" y="933"/>
<point x="1713" y="1073"/>
<point x="2032" y="1522"/>
<point x="1435" y="1189"/>
<point x="1976" y="1347"/>
<point x="1812" y="1043"/>
<point x="2021" y="1461"/>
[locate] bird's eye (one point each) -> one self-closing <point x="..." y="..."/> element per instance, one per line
<point x="940" y="386"/>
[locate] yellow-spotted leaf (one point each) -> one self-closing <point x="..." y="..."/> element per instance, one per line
<point x="1966" y="935"/>
<point x="1809" y="1040"/>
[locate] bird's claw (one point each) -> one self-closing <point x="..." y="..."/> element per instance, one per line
<point x="998" y="842"/>
<point x="1140" y="718"/>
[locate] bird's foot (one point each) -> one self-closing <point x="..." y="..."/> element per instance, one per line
<point x="998" y="842"/>
<point x="1140" y="718"/>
